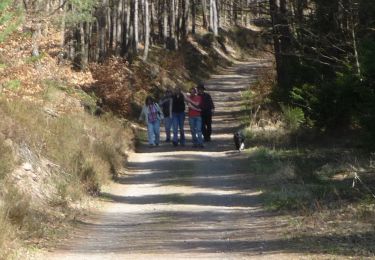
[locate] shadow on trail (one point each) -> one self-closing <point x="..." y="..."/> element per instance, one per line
<point x="192" y="169"/>
<point x="202" y="199"/>
<point x="208" y="232"/>
<point x="176" y="231"/>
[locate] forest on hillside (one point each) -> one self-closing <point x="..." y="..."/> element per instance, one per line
<point x="324" y="51"/>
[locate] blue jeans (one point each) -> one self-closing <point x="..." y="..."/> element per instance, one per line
<point x="196" y="129"/>
<point x="178" y="123"/>
<point x="153" y="131"/>
<point x="168" y="125"/>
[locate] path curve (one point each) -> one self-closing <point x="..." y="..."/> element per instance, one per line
<point x="186" y="203"/>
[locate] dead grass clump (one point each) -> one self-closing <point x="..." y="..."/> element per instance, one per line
<point x="260" y="112"/>
<point x="107" y="153"/>
<point x="7" y="235"/>
<point x="16" y="205"/>
<point x="6" y="158"/>
<point x="92" y="148"/>
<point x="77" y="151"/>
<point x="27" y="219"/>
<point x="91" y="170"/>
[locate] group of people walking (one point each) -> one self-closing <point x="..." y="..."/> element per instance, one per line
<point x="171" y="110"/>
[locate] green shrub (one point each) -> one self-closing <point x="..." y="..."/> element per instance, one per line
<point x="249" y="135"/>
<point x="293" y="117"/>
<point x="330" y="104"/>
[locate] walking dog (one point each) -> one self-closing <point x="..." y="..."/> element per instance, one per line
<point x="239" y="140"/>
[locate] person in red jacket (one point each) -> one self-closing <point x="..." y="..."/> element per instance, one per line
<point x="195" y="121"/>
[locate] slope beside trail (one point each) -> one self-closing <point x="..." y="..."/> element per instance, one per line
<point x="187" y="203"/>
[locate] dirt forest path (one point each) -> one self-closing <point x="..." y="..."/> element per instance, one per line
<point x="187" y="203"/>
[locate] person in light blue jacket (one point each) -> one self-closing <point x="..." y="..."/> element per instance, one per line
<point x="152" y="115"/>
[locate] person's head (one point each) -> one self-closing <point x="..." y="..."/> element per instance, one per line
<point x="177" y="91"/>
<point x="193" y="91"/>
<point x="201" y="88"/>
<point x="168" y="92"/>
<point x="149" y="100"/>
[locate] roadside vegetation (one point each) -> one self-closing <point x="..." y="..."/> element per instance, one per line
<point x="323" y="195"/>
<point x="57" y="146"/>
<point x="319" y="180"/>
<point x="49" y="164"/>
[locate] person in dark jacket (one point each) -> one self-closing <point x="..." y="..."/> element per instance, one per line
<point x="178" y="117"/>
<point x="208" y="109"/>
<point x="166" y="106"/>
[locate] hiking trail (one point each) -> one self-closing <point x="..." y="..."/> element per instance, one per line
<point x="184" y="202"/>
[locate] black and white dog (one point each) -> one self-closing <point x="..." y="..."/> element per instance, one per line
<point x="239" y="140"/>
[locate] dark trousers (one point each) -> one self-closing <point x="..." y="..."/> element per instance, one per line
<point x="206" y="126"/>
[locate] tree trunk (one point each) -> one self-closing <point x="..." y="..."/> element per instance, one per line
<point x="152" y="22"/>
<point x="178" y="19"/>
<point x="128" y="25"/>
<point x="215" y="18"/>
<point x="193" y="15"/>
<point x="284" y="52"/>
<point x="173" y="27"/>
<point x="204" y="14"/>
<point x="63" y="14"/>
<point x="136" y="31"/>
<point x="274" y="10"/>
<point x="185" y="17"/>
<point x="147" y="29"/>
<point x="119" y="27"/>
<point x="165" y="22"/>
<point x="35" y="39"/>
<point x="83" y="47"/>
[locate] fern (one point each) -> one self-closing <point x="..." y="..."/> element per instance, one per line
<point x="293" y="117"/>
